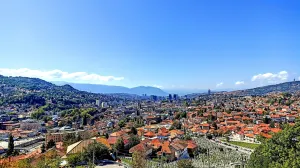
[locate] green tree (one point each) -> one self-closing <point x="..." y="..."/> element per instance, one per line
<point x="43" y="148"/>
<point x="122" y="123"/>
<point x="24" y="163"/>
<point x="138" y="159"/>
<point x="106" y="135"/>
<point x="281" y="151"/>
<point x="133" y="130"/>
<point x="119" y="145"/>
<point x="185" y="164"/>
<point x="272" y="124"/>
<point x="50" y="144"/>
<point x="209" y="136"/>
<point x="183" y="115"/>
<point x="133" y="140"/>
<point x="187" y="137"/>
<point x="266" y="120"/>
<point x="176" y="125"/>
<point x="98" y="150"/>
<point x="84" y="120"/>
<point x="49" y="160"/>
<point x="74" y="159"/>
<point x="227" y="138"/>
<point x="214" y="124"/>
<point x="11" y="146"/>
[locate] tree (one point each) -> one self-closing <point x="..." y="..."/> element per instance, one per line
<point x="43" y="150"/>
<point x="281" y="151"/>
<point x="78" y="138"/>
<point x="272" y="124"/>
<point x="214" y="124"/>
<point x="24" y="163"/>
<point x="138" y="159"/>
<point x="266" y="120"/>
<point x="74" y="159"/>
<point x="50" y="144"/>
<point x="185" y="164"/>
<point x="183" y="115"/>
<point x="106" y="135"/>
<point x="227" y="138"/>
<point x="209" y="136"/>
<point x="133" y="130"/>
<point x="11" y="146"/>
<point x="69" y="139"/>
<point x="177" y="116"/>
<point x="176" y="125"/>
<point x="133" y="140"/>
<point x="98" y="150"/>
<point x="187" y="137"/>
<point x="49" y="160"/>
<point x="84" y="120"/>
<point x="119" y="145"/>
<point x="122" y="124"/>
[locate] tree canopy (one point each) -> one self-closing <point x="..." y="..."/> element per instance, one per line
<point x="281" y="151"/>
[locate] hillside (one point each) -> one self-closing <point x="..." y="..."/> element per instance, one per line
<point x="106" y="89"/>
<point x="290" y="87"/>
<point x="31" y="93"/>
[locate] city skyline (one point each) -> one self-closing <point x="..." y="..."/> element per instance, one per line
<point x="200" y="45"/>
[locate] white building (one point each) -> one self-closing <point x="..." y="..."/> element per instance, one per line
<point x="104" y="105"/>
<point x="98" y="102"/>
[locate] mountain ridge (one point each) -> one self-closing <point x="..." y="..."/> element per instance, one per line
<point x="291" y="87"/>
<point x="110" y="89"/>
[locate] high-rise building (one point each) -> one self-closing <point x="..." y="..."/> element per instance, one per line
<point x="209" y="92"/>
<point x="153" y="97"/>
<point x="104" y="105"/>
<point x="97" y="102"/>
<point x="170" y="97"/>
<point x="175" y="97"/>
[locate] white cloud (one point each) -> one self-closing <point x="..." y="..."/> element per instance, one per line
<point x="219" y="84"/>
<point x="58" y="75"/>
<point x="239" y="83"/>
<point x="158" y="86"/>
<point x="271" y="78"/>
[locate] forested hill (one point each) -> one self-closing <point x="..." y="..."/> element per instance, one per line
<point x="23" y="91"/>
<point x="289" y="87"/>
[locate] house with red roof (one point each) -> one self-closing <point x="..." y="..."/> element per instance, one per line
<point x="141" y="147"/>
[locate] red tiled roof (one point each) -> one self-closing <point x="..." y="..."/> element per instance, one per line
<point x="166" y="147"/>
<point x="139" y="147"/>
<point x="275" y="130"/>
<point x="112" y="140"/>
<point x="191" y="145"/>
<point x="268" y="136"/>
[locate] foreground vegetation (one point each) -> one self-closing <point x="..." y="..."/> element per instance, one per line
<point x="281" y="151"/>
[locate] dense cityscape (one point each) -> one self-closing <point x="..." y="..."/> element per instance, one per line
<point x="149" y="84"/>
<point x="58" y="126"/>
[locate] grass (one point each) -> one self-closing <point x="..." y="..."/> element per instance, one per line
<point x="244" y="144"/>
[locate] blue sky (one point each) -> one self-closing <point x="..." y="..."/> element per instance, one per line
<point x="169" y="44"/>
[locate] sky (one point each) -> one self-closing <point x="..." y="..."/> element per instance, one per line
<point x="169" y="44"/>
